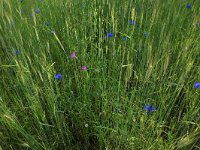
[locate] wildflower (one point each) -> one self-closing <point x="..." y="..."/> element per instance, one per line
<point x="83" y="67"/>
<point x="197" y="85"/>
<point x="132" y="22"/>
<point x="124" y="38"/>
<point x="198" y="24"/>
<point x="47" y="23"/>
<point x="37" y="11"/>
<point x="109" y="34"/>
<point x="146" y="34"/>
<point x="17" y="52"/>
<point x="86" y="125"/>
<point x="73" y="55"/>
<point x="58" y="76"/>
<point x="149" y="108"/>
<point x="189" y="6"/>
<point x="31" y="15"/>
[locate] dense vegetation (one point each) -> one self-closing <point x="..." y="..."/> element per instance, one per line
<point x="100" y="74"/>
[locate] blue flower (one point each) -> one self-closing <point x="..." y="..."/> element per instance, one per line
<point x="109" y="34"/>
<point x="58" y="76"/>
<point x="189" y="6"/>
<point x="37" y="11"/>
<point x="47" y="23"/>
<point x="17" y="52"/>
<point x="31" y="15"/>
<point x="197" y="85"/>
<point x="149" y="108"/>
<point x="198" y="24"/>
<point x="146" y="34"/>
<point x="132" y="22"/>
<point x="124" y="38"/>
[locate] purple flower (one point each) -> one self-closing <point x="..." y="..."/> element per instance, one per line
<point x="58" y="76"/>
<point x="189" y="6"/>
<point x="73" y="55"/>
<point x="149" y="108"/>
<point x="197" y="85"/>
<point x="17" y="52"/>
<point x="84" y="68"/>
<point x="198" y="24"/>
<point x="132" y="22"/>
<point x="110" y="34"/>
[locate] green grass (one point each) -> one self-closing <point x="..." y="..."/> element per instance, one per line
<point x="39" y="112"/>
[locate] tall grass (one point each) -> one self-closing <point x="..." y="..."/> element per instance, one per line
<point x="101" y="107"/>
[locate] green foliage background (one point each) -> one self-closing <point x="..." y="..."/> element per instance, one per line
<point x="39" y="112"/>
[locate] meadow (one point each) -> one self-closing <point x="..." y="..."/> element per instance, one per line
<point x="99" y="74"/>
